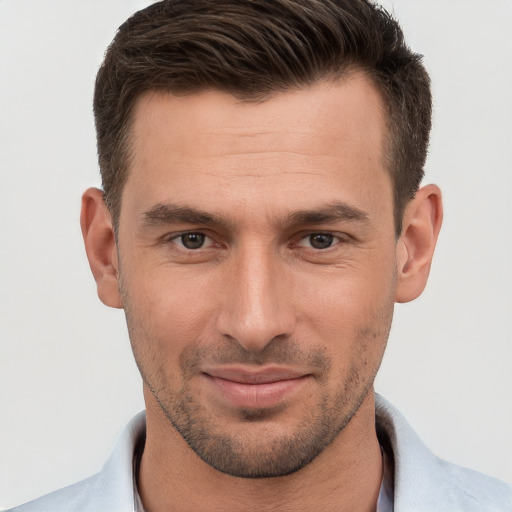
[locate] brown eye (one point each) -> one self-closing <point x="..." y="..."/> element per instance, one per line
<point x="192" y="240"/>
<point x="321" y="240"/>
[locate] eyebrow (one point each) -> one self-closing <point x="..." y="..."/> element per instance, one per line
<point x="334" y="212"/>
<point x="163" y="214"/>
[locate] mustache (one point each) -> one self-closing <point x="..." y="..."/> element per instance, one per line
<point x="277" y="351"/>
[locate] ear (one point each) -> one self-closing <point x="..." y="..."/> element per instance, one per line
<point x="421" y="225"/>
<point x="100" y="245"/>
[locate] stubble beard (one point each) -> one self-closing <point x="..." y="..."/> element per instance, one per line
<point x="268" y="455"/>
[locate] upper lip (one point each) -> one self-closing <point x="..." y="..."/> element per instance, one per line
<point x="263" y="375"/>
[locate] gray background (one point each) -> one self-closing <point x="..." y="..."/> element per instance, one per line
<point x="68" y="383"/>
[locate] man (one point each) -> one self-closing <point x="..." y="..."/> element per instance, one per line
<point x="261" y="214"/>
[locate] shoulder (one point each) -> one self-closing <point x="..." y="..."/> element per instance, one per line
<point x="76" y="497"/>
<point x="109" y="490"/>
<point x="424" y="482"/>
<point x="474" y="490"/>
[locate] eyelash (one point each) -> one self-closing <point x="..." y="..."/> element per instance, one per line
<point x="332" y="239"/>
<point x="176" y="238"/>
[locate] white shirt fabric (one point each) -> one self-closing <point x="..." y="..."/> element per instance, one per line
<point x="421" y="481"/>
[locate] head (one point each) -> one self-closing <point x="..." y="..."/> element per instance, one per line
<point x="261" y="215"/>
<point x="253" y="50"/>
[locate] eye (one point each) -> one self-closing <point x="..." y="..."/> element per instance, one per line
<point x="318" y="240"/>
<point x="191" y="240"/>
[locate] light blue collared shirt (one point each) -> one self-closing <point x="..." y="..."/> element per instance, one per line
<point x="421" y="481"/>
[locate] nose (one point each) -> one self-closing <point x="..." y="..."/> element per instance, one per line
<point x="257" y="306"/>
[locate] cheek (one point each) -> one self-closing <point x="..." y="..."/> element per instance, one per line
<point x="165" y="313"/>
<point x="351" y="310"/>
<point x="349" y="291"/>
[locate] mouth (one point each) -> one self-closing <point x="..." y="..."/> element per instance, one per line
<point x="255" y="389"/>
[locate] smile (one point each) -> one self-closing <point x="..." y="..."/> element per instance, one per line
<point x="256" y="390"/>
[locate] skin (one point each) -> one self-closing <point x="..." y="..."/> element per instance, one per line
<point x="259" y="348"/>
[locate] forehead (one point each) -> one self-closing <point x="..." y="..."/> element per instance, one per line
<point x="314" y="144"/>
<point x="339" y="108"/>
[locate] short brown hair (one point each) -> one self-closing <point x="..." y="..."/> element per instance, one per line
<point x="251" y="49"/>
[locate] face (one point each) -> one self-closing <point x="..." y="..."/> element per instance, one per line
<point x="257" y="261"/>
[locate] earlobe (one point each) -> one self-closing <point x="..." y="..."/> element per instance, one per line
<point x="421" y="225"/>
<point x="100" y="245"/>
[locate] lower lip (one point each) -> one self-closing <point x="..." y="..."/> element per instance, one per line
<point x="257" y="396"/>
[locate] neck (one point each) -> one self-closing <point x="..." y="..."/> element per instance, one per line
<point x="346" y="476"/>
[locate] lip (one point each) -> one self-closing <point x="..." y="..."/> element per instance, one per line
<point x="255" y="389"/>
